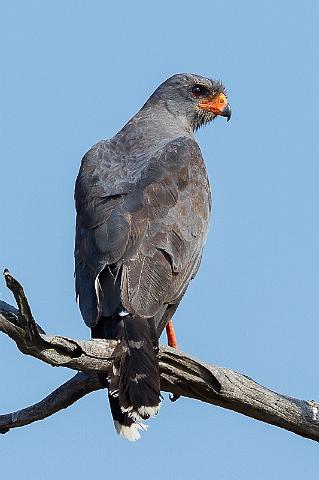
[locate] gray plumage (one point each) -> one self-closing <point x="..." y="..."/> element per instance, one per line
<point x="143" y="206"/>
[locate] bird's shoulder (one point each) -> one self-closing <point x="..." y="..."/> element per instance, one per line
<point x="97" y="166"/>
<point x="109" y="169"/>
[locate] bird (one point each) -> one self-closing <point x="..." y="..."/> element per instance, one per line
<point x="143" y="203"/>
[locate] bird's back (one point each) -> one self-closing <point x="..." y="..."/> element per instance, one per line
<point x="143" y="218"/>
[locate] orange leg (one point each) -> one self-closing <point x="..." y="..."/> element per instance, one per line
<point x="171" y="337"/>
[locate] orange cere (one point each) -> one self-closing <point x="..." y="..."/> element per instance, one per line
<point x="215" y="104"/>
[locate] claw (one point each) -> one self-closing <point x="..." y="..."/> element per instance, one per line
<point x="173" y="397"/>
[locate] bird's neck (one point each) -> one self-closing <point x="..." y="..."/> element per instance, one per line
<point x="152" y="126"/>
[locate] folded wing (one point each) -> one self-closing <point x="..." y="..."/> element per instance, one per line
<point x="141" y="227"/>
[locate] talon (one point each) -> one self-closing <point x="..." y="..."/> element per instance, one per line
<point x="173" y="397"/>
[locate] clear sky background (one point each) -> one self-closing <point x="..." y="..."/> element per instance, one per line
<point x="73" y="72"/>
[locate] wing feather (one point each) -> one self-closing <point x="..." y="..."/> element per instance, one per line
<point x="150" y="222"/>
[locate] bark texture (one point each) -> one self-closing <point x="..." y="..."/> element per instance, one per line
<point x="181" y="375"/>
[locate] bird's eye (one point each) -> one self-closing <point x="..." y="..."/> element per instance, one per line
<point x="199" y="91"/>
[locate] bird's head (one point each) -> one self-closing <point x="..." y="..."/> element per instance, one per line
<point x="195" y="99"/>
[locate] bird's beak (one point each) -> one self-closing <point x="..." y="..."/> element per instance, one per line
<point x="218" y="104"/>
<point x="226" y="112"/>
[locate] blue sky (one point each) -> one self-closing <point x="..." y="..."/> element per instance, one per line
<point x="74" y="72"/>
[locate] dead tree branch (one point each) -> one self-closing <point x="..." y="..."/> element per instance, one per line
<point x="181" y="375"/>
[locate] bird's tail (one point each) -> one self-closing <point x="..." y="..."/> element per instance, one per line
<point x="134" y="386"/>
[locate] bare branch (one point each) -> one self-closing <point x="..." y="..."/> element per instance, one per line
<point x="180" y="375"/>
<point x="20" y="298"/>
<point x="64" y="396"/>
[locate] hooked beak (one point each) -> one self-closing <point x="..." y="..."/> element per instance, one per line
<point x="218" y="105"/>
<point x="226" y="112"/>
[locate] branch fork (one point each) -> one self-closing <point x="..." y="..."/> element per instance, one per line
<point x="181" y="375"/>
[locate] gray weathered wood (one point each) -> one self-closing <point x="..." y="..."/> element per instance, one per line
<point x="180" y="375"/>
